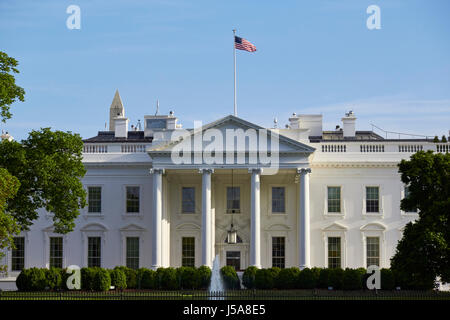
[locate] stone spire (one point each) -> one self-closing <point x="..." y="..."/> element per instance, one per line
<point x="116" y="110"/>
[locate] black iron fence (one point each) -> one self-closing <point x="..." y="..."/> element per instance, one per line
<point x="227" y="295"/>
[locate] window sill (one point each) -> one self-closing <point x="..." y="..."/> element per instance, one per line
<point x="334" y="214"/>
<point x="409" y="214"/>
<point x="373" y="214"/>
<point x="93" y="215"/>
<point x="132" y="215"/>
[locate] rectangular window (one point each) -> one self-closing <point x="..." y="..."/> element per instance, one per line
<point x="94" y="252"/>
<point x="278" y="252"/>
<point x="334" y="199"/>
<point x="373" y="251"/>
<point x="188" y="200"/>
<point x="132" y="199"/>
<point x="18" y="254"/>
<point x="56" y="252"/>
<point x="233" y="199"/>
<point x="334" y="252"/>
<point x="188" y="252"/>
<point x="133" y="252"/>
<point x="278" y="200"/>
<point x="233" y="259"/>
<point x="372" y="199"/>
<point x="94" y="199"/>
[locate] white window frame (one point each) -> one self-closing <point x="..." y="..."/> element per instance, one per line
<point x="101" y="214"/>
<point x="278" y="230"/>
<point x="374" y="229"/>
<point x="335" y="230"/>
<point x="197" y="199"/>
<point x="49" y="233"/>
<point x="26" y="265"/>
<point x="241" y="189"/>
<point x="136" y="231"/>
<point x="187" y="230"/>
<point x="126" y="214"/>
<point x="380" y="212"/>
<point x="278" y="214"/>
<point x="325" y="208"/>
<point x="95" y="229"/>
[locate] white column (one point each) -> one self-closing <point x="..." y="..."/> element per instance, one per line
<point x="303" y="219"/>
<point x="157" y="217"/>
<point x="206" y="217"/>
<point x="255" y="223"/>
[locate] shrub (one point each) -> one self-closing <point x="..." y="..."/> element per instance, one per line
<point x="306" y="279"/>
<point x="248" y="278"/>
<point x="203" y="276"/>
<point x="323" y="278"/>
<point x="88" y="278"/>
<point x="146" y="279"/>
<point x="187" y="278"/>
<point x="230" y="278"/>
<point x="118" y="279"/>
<point x="336" y="278"/>
<point x="167" y="279"/>
<point x="23" y="280"/>
<point x="264" y="279"/>
<point x="37" y="279"/>
<point x="351" y="280"/>
<point x="102" y="280"/>
<point x="362" y="277"/>
<point x="287" y="278"/>
<point x="131" y="276"/>
<point x="53" y="278"/>
<point x="387" y="279"/>
<point x="316" y="273"/>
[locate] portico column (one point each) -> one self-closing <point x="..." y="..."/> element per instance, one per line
<point x="206" y="217"/>
<point x="157" y="217"/>
<point x="303" y="219"/>
<point x="255" y="223"/>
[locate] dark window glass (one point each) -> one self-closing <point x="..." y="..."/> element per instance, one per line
<point x="132" y="199"/>
<point x="188" y="200"/>
<point x="56" y="252"/>
<point x="18" y="254"/>
<point x="188" y="252"/>
<point x="94" y="252"/>
<point x="95" y="199"/>
<point x="278" y="199"/>
<point x="334" y="252"/>
<point x="278" y="252"/>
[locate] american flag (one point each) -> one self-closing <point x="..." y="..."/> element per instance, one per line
<point x="242" y="44"/>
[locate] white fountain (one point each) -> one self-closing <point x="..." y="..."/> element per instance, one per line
<point x="216" y="286"/>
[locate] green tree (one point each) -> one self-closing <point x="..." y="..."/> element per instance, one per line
<point x="424" y="251"/>
<point x="49" y="168"/>
<point x="9" y="91"/>
<point x="8" y="226"/>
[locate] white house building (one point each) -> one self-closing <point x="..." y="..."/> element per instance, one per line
<point x="164" y="196"/>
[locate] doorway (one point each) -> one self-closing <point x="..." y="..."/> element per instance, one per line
<point x="233" y="259"/>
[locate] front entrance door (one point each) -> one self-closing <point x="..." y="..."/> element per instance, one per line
<point x="234" y="259"/>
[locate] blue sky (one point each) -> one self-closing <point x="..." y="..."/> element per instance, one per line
<point x="313" y="57"/>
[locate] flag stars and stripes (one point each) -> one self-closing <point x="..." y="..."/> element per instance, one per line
<point x="242" y="44"/>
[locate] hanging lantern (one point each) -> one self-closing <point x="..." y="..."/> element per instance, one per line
<point x="232" y="235"/>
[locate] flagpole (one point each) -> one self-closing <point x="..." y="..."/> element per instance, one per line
<point x="234" y="52"/>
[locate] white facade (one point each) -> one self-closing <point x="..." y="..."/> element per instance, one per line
<point x="308" y="167"/>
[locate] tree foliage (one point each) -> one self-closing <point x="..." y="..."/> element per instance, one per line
<point x="9" y="91"/>
<point x="424" y="251"/>
<point x="49" y="168"/>
<point x="8" y="226"/>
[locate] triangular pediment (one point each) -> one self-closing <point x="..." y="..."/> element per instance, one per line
<point x="373" y="226"/>
<point x="225" y="126"/>
<point x="335" y="227"/>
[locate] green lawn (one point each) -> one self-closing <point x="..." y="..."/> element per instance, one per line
<point x="228" y="295"/>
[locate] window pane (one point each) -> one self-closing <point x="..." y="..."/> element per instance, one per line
<point x="334" y="252"/>
<point x="132" y="199"/>
<point x="56" y="252"/>
<point x="188" y="200"/>
<point x="407" y="194"/>
<point x="188" y="252"/>
<point x="94" y="252"/>
<point x="94" y="199"/>
<point x="372" y="199"/>
<point x="373" y="251"/>
<point x="334" y="199"/>
<point x="278" y="252"/>
<point x="133" y="252"/>
<point x="278" y="199"/>
<point x="18" y="254"/>
<point x="233" y="198"/>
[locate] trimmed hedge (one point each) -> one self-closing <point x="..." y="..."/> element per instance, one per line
<point x="248" y="278"/>
<point x="230" y="278"/>
<point x="131" y="276"/>
<point x="167" y="279"/>
<point x="351" y="280"/>
<point x="146" y="279"/>
<point x="204" y="277"/>
<point x="306" y="279"/>
<point x="102" y="280"/>
<point x="118" y="279"/>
